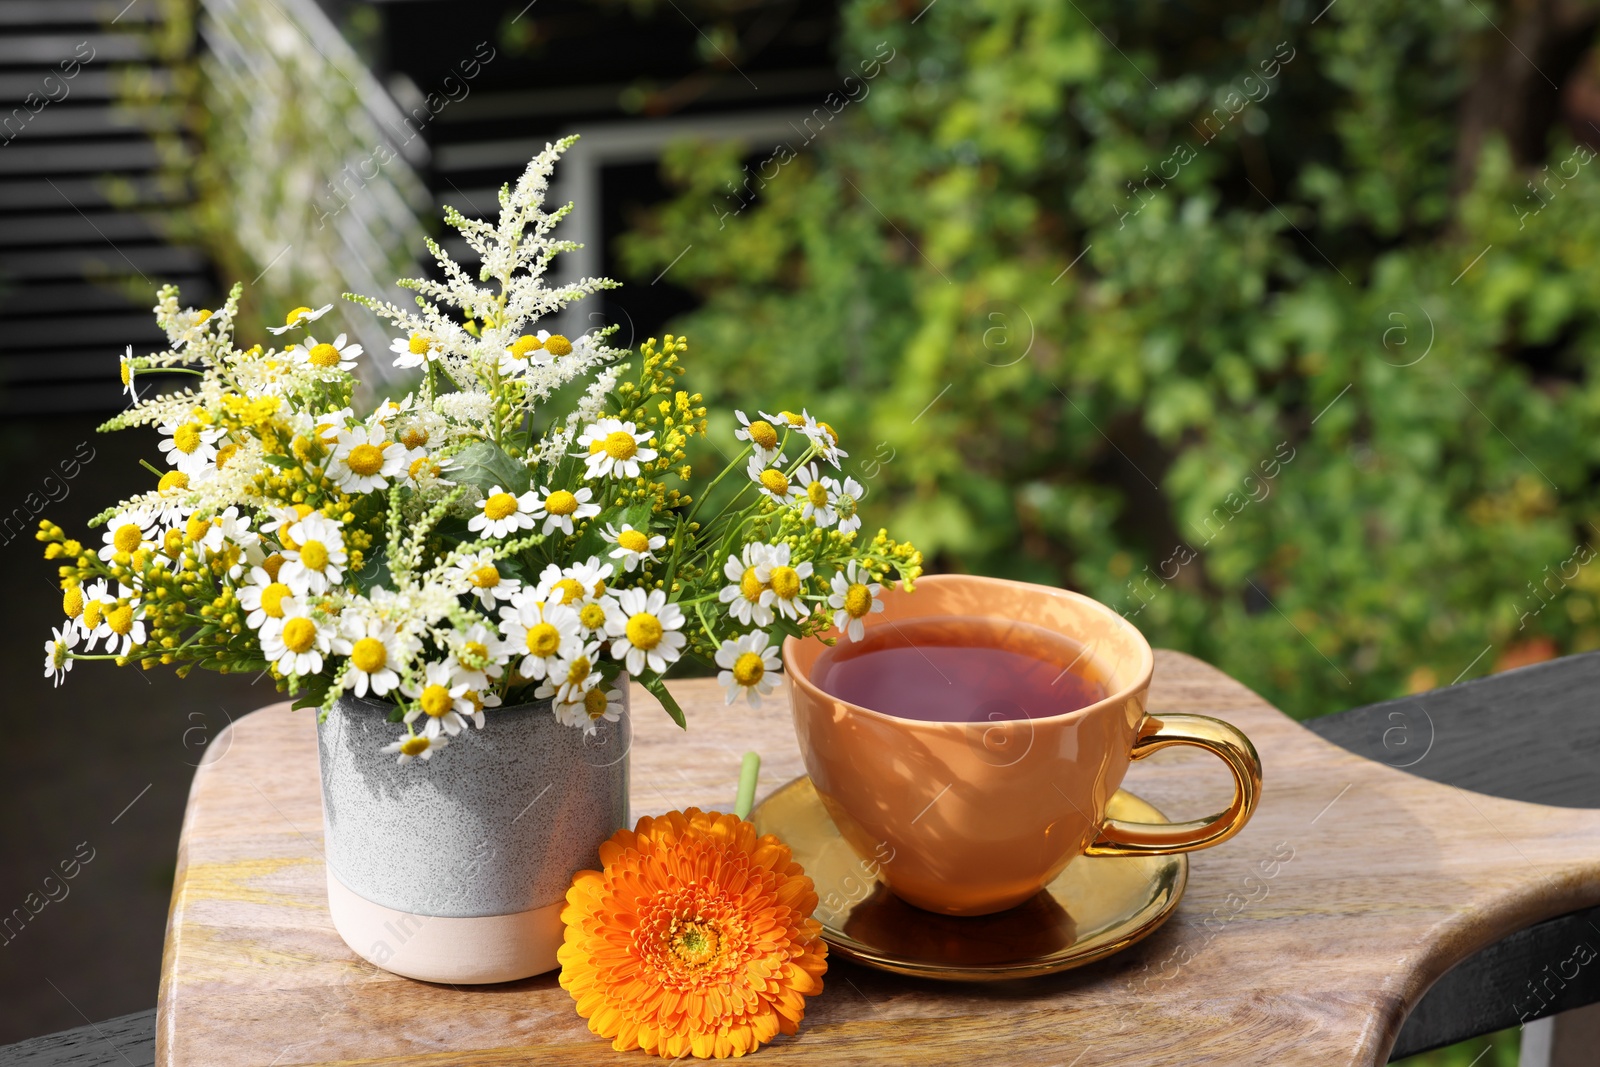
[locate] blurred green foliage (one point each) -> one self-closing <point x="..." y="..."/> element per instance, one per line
<point x="1210" y="312"/>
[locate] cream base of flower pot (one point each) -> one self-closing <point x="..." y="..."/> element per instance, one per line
<point x="431" y="948"/>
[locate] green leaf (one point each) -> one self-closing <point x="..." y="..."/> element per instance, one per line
<point x="312" y="691"/>
<point x="658" y="689"/>
<point x="280" y="461"/>
<point x="486" y="465"/>
<point x="375" y="573"/>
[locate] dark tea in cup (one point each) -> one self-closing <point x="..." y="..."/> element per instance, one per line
<point x="962" y="668"/>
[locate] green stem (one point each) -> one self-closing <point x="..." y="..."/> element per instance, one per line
<point x="749" y="771"/>
<point x="734" y="463"/>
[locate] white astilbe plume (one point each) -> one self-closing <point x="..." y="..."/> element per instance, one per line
<point x="504" y="303"/>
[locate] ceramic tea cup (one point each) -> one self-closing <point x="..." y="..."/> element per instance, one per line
<point x="969" y="818"/>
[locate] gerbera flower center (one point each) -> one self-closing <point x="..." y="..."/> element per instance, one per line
<point x="369" y="655"/>
<point x="764" y="433"/>
<point x="419" y="344"/>
<point x="633" y="541"/>
<point x="120" y="619"/>
<point x="414" y="746"/>
<point x="595" y="704"/>
<point x="365" y="460"/>
<point x="421" y="466"/>
<point x="294" y="316"/>
<point x="186" y="438"/>
<point x="314" y="555"/>
<point x="578" y="671"/>
<point x="272" y="599"/>
<point x="785" y="582"/>
<point x="571" y="589"/>
<point x="695" y="944"/>
<point x="324" y="355"/>
<point x="748" y="669"/>
<point x="437" y="701"/>
<point x="127" y="537"/>
<point x="817" y="493"/>
<point x="525" y="344"/>
<point x="644" y="631"/>
<point x="414" y="437"/>
<point x="486" y="576"/>
<point x="557" y="345"/>
<point x="474" y="654"/>
<point x="172" y="543"/>
<point x="225" y="453"/>
<point x="272" y="565"/>
<point x="499" y="505"/>
<point x="196" y="528"/>
<point x="72" y="602"/>
<point x="58" y="655"/>
<point x="126" y="374"/>
<point x="543" y="639"/>
<point x="173" y="480"/>
<point x="834" y="437"/>
<point x="93" y="614"/>
<point x="791" y="418"/>
<point x="619" y="444"/>
<point x="561" y="502"/>
<point x="299" y="633"/>
<point x="751" y="585"/>
<point x="857" y="600"/>
<point x="775" y="481"/>
<point x="593" y="616"/>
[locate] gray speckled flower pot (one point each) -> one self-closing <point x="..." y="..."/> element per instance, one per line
<point x="455" y="868"/>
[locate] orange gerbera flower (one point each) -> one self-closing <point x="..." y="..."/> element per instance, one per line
<point x="696" y="938"/>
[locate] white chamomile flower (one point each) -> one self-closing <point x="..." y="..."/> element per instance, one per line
<point x="579" y="584"/>
<point x="262" y="596"/>
<point x="847" y="503"/>
<point x="786" y="582"/>
<point x="817" y="492"/>
<point x="748" y="597"/>
<point x="824" y="440"/>
<point x="377" y="653"/>
<point x="190" y="446"/>
<point x="415" y="745"/>
<point x="363" y="461"/>
<point x="614" y="449"/>
<point x="125" y="626"/>
<point x="295" y="642"/>
<point x="316" y="563"/>
<point x="558" y="508"/>
<point x="504" y="514"/>
<point x="644" y="631"/>
<point x="324" y="357"/>
<point x="442" y="698"/>
<point x="570" y="677"/>
<point x="477" y="656"/>
<point x="531" y="350"/>
<point x="599" y="703"/>
<point x="772" y="482"/>
<point x="97" y="600"/>
<point x="415" y="350"/>
<point x="749" y="666"/>
<point x="127" y="532"/>
<point x="854" y="597"/>
<point x="58" y="651"/>
<point x="128" y="372"/>
<point x="299" y="317"/>
<point x="480" y="575"/>
<point x="763" y="438"/>
<point x="229" y="536"/>
<point x="633" y="546"/>
<point x="542" y="632"/>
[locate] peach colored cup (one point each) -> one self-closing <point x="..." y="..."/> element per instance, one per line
<point x="979" y="816"/>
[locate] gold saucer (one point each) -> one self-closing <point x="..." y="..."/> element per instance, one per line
<point x="1097" y="906"/>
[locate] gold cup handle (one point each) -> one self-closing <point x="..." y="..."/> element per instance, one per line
<point x="1118" y="838"/>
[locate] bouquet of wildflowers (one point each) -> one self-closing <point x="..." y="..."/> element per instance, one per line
<point x="479" y="542"/>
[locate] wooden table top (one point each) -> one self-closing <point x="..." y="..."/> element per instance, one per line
<point x="1380" y="882"/>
